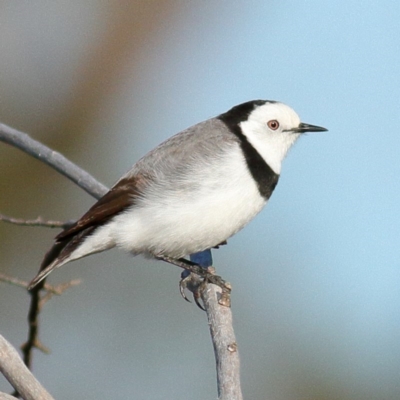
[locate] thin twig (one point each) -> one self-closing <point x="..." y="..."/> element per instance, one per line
<point x="36" y="305"/>
<point x="57" y="290"/>
<point x="52" y="290"/>
<point x="33" y="323"/>
<point x="39" y="221"/>
<point x="13" y="281"/>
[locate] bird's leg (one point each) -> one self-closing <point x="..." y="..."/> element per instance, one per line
<point x="196" y="269"/>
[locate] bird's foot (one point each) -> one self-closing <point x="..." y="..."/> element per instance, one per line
<point x="191" y="280"/>
<point x="197" y="284"/>
<point x="194" y="284"/>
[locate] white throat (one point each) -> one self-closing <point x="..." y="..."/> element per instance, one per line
<point x="272" y="148"/>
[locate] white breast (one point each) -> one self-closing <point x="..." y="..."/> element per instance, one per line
<point x="177" y="223"/>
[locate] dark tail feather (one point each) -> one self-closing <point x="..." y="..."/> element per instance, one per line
<point x="48" y="263"/>
<point x="61" y="250"/>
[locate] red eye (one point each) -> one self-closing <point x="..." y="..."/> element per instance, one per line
<point x="273" y="124"/>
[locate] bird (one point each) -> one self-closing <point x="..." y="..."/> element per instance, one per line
<point x="190" y="193"/>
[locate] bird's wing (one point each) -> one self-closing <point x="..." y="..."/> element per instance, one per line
<point x="120" y="197"/>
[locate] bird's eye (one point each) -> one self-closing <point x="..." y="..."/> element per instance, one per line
<point x="273" y="124"/>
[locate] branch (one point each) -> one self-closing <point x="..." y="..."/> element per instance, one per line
<point x="12" y="367"/>
<point x="224" y="342"/>
<point x="37" y="302"/>
<point x="5" y="396"/>
<point x="52" y="290"/>
<point x="34" y="222"/>
<point x="218" y="310"/>
<point x="33" y="323"/>
<point x="52" y="158"/>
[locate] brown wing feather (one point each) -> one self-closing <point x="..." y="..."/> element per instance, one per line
<point x="120" y="197"/>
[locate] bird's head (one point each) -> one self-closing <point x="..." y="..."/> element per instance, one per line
<point x="272" y="128"/>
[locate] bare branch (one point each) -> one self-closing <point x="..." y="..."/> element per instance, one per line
<point x="19" y="376"/>
<point x="52" y="290"/>
<point x="13" y="281"/>
<point x="224" y="342"/>
<point x="5" y="396"/>
<point x="52" y="158"/>
<point x="57" y="290"/>
<point x="34" y="222"/>
<point x="33" y="323"/>
<point x="37" y="302"/>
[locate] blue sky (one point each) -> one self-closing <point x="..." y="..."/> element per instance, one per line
<point x="316" y="275"/>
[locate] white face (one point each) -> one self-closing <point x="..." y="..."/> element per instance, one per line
<point x="269" y="130"/>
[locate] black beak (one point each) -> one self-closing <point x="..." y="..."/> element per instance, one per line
<point x="302" y="128"/>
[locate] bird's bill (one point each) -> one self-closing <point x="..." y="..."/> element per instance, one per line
<point x="302" y="128"/>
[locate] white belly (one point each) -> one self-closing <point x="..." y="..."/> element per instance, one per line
<point x="180" y="223"/>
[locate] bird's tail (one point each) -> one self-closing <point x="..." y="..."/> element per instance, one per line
<point x="50" y="262"/>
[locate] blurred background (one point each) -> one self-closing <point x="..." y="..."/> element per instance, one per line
<point x="315" y="276"/>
